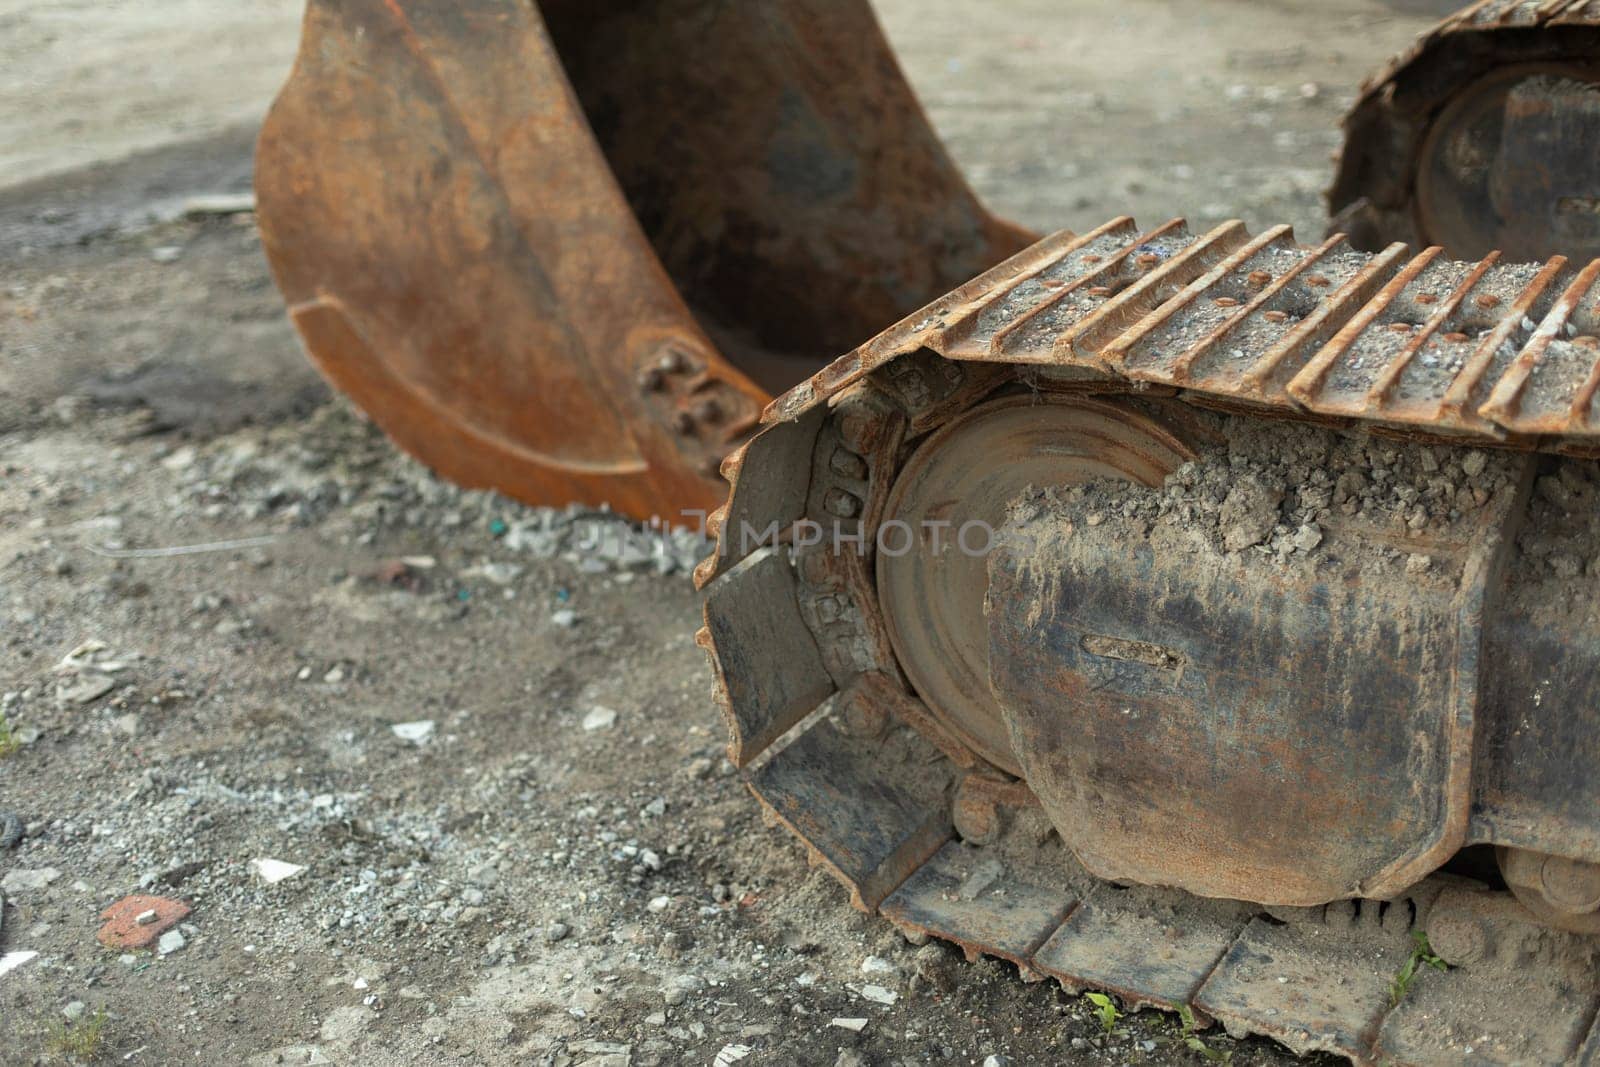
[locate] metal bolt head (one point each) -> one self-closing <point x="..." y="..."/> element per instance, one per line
<point x="1459" y="939"/>
<point x="1571" y="885"/>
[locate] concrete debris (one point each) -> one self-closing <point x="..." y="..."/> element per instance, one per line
<point x="12" y="960"/>
<point x="85" y="688"/>
<point x="599" y="718"/>
<point x="878" y="994"/>
<point x="878" y="966"/>
<point x="28" y="881"/>
<point x="273" y="871"/>
<point x="11" y="830"/>
<point x="418" y="733"/>
<point x="219" y="204"/>
<point x="852" y="1024"/>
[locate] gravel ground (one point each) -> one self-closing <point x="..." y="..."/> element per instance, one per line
<point x="481" y="731"/>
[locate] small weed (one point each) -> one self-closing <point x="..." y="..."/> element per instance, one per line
<point x="1196" y="1043"/>
<point x="9" y="745"/>
<point x="78" y="1042"/>
<point x="1421" y="953"/>
<point x="1105" y="1009"/>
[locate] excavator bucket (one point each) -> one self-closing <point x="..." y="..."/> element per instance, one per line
<point x="566" y="250"/>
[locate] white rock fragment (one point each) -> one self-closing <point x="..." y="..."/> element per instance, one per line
<point x="984" y="874"/>
<point x="418" y="733"/>
<point x="599" y="718"/>
<point x="495" y="573"/>
<point x="566" y="618"/>
<point x="171" y="941"/>
<point x="145" y="918"/>
<point x="856" y="1025"/>
<point x="877" y="965"/>
<point x="273" y="871"/>
<point x="731" y="1054"/>
<point x="24" y="881"/>
<point x="219" y="204"/>
<point x="878" y="994"/>
<point x="659" y="904"/>
<point x="12" y="960"/>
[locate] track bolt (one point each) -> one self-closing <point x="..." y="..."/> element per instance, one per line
<point x="1258" y="279"/>
<point x="858" y="430"/>
<point x="976" y="816"/>
<point x="860" y="717"/>
<point x="1487" y="301"/>
<point x="652" y="380"/>
<point x="707" y="410"/>
<point x="673" y="361"/>
<point x="847" y="464"/>
<point x="682" y="422"/>
<point x="841" y="504"/>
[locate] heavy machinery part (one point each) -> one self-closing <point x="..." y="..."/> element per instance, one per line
<point x="1483" y="135"/>
<point x="1318" y="738"/>
<point x="528" y="239"/>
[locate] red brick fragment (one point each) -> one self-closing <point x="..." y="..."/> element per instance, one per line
<point x="122" y="930"/>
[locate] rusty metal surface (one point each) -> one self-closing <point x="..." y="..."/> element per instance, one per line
<point x="1275" y="979"/>
<point x="1150" y="948"/>
<point x="952" y="490"/>
<point x="966" y="895"/>
<point x="870" y="833"/>
<point x="1527" y="996"/>
<point x="1498" y="353"/>
<point x="564" y="250"/>
<point x="1467" y="759"/>
<point x="1174" y="771"/>
<point x="1481" y="136"/>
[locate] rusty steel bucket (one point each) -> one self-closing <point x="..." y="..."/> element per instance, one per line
<point x="568" y="250"/>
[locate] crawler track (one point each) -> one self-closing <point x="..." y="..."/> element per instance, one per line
<point x="1455" y="142"/>
<point x="924" y="828"/>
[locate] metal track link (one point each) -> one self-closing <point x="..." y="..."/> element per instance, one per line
<point x="1499" y="353"/>
<point x="1483" y="352"/>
